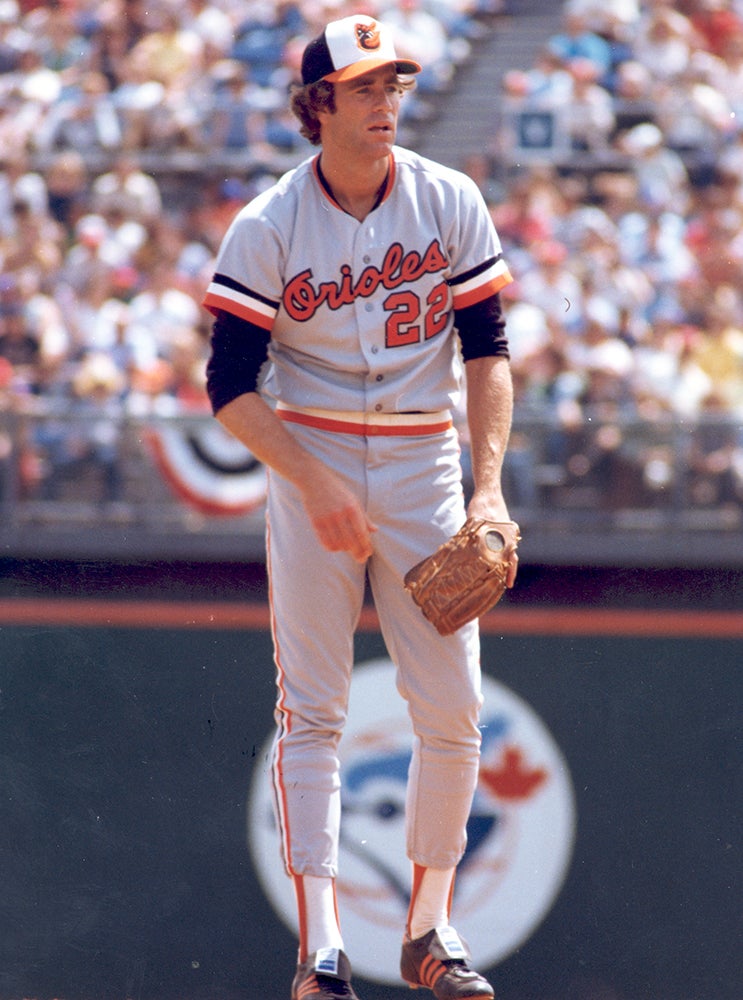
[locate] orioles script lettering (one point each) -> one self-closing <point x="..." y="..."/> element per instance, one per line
<point x="302" y="298"/>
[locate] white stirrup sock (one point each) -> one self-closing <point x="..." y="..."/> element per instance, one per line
<point x="430" y="902"/>
<point x="318" y="914"/>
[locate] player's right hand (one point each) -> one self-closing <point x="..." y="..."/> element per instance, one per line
<point x="337" y="516"/>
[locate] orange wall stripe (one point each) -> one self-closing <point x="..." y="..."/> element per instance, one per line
<point x="101" y="613"/>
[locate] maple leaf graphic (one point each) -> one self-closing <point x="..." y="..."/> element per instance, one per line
<point x="512" y="779"/>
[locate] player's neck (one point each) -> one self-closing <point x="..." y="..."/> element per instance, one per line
<point x="357" y="192"/>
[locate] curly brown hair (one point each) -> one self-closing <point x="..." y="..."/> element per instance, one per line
<point x="306" y="101"/>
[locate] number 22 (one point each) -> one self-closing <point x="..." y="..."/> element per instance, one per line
<point x="404" y="307"/>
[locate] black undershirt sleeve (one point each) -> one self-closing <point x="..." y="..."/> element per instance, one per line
<point x="239" y="350"/>
<point x="482" y="329"/>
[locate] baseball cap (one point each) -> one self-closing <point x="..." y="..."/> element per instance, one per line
<point x="349" y="48"/>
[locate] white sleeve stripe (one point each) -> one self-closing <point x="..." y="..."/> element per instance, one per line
<point x="497" y="272"/>
<point x="256" y="305"/>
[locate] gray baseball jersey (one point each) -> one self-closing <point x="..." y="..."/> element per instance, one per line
<point x="360" y="313"/>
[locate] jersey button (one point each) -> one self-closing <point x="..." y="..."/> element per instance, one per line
<point x="369" y="307"/>
<point x="375" y="349"/>
<point x="367" y="258"/>
<point x="379" y="378"/>
<point x="378" y="407"/>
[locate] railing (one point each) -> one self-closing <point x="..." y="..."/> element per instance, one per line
<point x="607" y="489"/>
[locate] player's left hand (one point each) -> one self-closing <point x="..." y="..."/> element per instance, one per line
<point x="492" y="507"/>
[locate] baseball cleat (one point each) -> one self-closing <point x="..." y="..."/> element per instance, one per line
<point x="440" y="961"/>
<point x="324" y="975"/>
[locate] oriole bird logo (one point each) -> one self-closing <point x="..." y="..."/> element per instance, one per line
<point x="367" y="36"/>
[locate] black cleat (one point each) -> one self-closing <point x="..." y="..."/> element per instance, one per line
<point x="324" y="975"/>
<point x="440" y="961"/>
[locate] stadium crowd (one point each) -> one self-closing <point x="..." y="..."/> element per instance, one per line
<point x="628" y="254"/>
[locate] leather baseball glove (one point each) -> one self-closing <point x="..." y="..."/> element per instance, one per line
<point x="467" y="575"/>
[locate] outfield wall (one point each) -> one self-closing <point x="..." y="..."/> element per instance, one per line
<point x="133" y="734"/>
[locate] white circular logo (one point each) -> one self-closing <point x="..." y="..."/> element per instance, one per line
<point x="519" y="835"/>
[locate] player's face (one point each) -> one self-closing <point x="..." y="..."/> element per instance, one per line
<point x="365" y="117"/>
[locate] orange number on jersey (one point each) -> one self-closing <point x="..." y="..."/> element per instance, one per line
<point x="438" y="310"/>
<point x="405" y="309"/>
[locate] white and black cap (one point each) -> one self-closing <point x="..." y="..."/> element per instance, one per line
<point x="349" y="48"/>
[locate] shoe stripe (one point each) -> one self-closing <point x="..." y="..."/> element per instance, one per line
<point x="310" y="985"/>
<point x="431" y="970"/>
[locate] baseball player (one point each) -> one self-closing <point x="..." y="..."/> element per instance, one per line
<point x="351" y="299"/>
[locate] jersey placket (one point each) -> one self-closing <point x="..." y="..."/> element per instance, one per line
<point x="370" y="317"/>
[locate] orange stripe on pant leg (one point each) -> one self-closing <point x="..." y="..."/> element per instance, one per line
<point x="301" y="915"/>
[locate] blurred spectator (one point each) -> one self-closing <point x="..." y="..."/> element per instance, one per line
<point x="663" y="41"/>
<point x="553" y="286"/>
<point x="695" y="117"/>
<point x="715" y="21"/>
<point x="12" y="38"/>
<point x="61" y="45"/>
<point x="718" y="350"/>
<point x="127" y="188"/>
<point x="110" y="44"/>
<point x="19" y="183"/>
<point x="576" y="41"/>
<point x="213" y="25"/>
<point x="38" y="85"/>
<point x="33" y="244"/>
<point x="528" y="334"/>
<point x="728" y="77"/>
<point x="606" y="17"/>
<point x="169" y="54"/>
<point x="715" y="235"/>
<point x="545" y="85"/>
<point x="657" y="364"/>
<point x="623" y="286"/>
<point x="162" y="311"/>
<point x="730" y="171"/>
<point x="589" y="113"/>
<point x="137" y="100"/>
<point x="605" y="360"/>
<point x="662" y="257"/>
<point x="633" y="95"/>
<point x="84" y="119"/>
<point x="166" y="118"/>
<point x="690" y="385"/>
<point x="662" y="177"/>
<point x="90" y="439"/>
<point x="67" y="185"/>
<point x="715" y="458"/>
<point x="101" y="324"/>
<point x="528" y="215"/>
<point x="261" y="37"/>
<point x="18" y="345"/>
<point x="97" y="249"/>
<point x="421" y="36"/>
<point x="237" y="116"/>
<point x="220" y="201"/>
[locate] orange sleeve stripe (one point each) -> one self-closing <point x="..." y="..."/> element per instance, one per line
<point x="484" y="291"/>
<point x="216" y="303"/>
